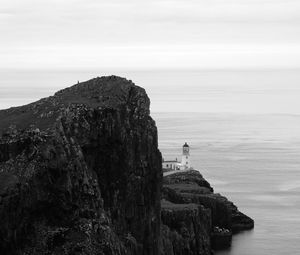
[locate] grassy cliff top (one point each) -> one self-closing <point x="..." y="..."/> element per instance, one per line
<point x="101" y="92"/>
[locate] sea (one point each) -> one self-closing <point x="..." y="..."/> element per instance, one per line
<point x="253" y="160"/>
<point x="243" y="128"/>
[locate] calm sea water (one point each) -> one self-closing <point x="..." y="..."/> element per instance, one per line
<point x="254" y="160"/>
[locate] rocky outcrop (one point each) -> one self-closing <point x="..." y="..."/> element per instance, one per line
<point x="80" y="173"/>
<point x="189" y="191"/>
<point x="185" y="229"/>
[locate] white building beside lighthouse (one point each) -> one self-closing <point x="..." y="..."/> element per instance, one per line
<point x="185" y="163"/>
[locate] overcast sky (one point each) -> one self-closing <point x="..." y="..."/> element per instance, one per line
<point x="70" y="40"/>
<point x="143" y="34"/>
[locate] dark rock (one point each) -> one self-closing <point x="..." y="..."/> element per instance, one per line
<point x="80" y="173"/>
<point x="241" y="222"/>
<point x="186" y="229"/>
<point x="221" y="238"/>
<point x="189" y="177"/>
<point x="190" y="188"/>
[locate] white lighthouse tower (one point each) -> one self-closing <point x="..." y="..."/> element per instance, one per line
<point x="186" y="159"/>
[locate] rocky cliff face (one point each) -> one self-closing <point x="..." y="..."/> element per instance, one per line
<point x="186" y="229"/>
<point x="80" y="173"/>
<point x="186" y="194"/>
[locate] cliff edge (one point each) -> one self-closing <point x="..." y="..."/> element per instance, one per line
<point x="80" y="172"/>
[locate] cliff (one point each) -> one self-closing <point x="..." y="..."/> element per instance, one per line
<point x="80" y="173"/>
<point x="188" y="193"/>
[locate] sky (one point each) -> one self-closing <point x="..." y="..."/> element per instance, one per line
<point x="157" y="34"/>
<point x="177" y="49"/>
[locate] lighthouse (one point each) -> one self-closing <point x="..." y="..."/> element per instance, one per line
<point x="186" y="159"/>
<point x="185" y="164"/>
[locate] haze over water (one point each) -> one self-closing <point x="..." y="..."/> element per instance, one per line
<point x="243" y="128"/>
<point x="236" y="91"/>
